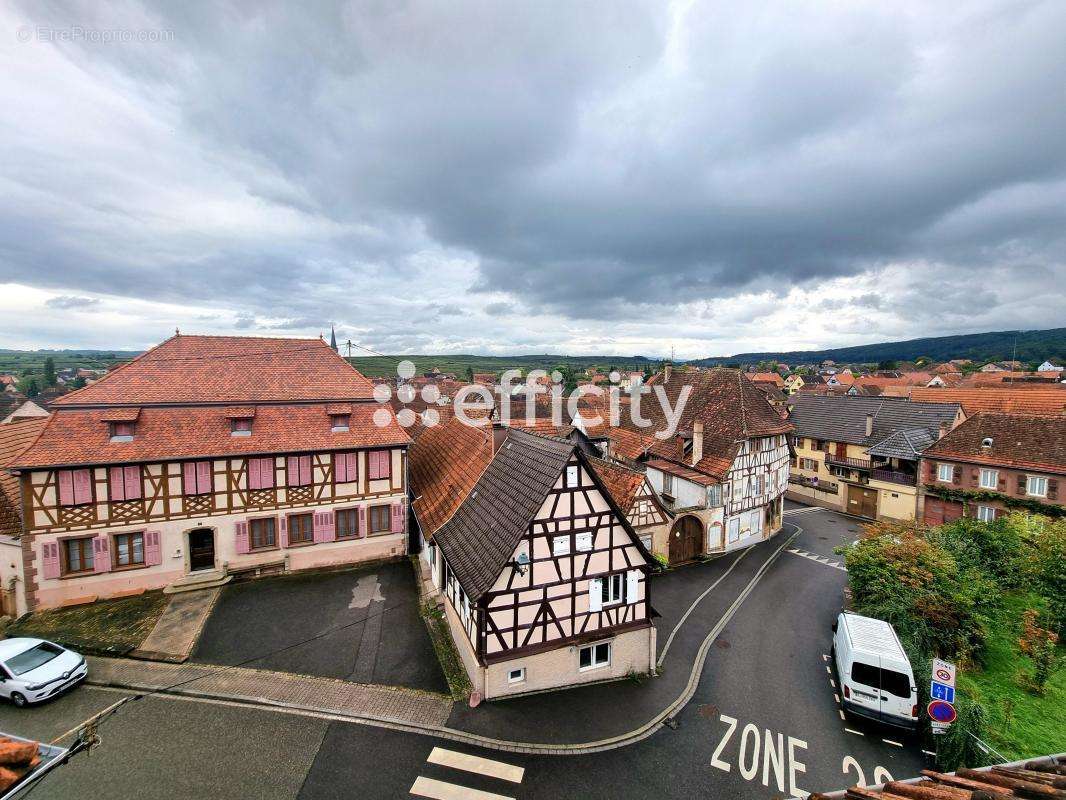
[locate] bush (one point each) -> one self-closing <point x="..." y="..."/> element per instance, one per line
<point x="1045" y="564"/>
<point x="958" y="745"/>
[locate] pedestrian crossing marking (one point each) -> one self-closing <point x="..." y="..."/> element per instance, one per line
<point x="441" y="790"/>
<point x="817" y="558"/>
<point x="476" y="764"/>
<point x="807" y="510"/>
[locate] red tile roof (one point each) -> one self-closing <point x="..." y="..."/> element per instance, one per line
<point x="444" y="465"/>
<point x="77" y="436"/>
<point x="622" y="482"/>
<point x="14" y="438"/>
<point x="227" y="369"/>
<point x="768" y="377"/>
<point x="1011" y="400"/>
<point x="1018" y="441"/>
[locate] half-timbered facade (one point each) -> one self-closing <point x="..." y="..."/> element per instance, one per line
<point x="544" y="581"/>
<point x="205" y="457"/>
<point x="641" y="504"/>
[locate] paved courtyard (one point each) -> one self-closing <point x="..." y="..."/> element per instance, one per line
<point x="359" y="625"/>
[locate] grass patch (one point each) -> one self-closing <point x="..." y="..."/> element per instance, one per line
<point x="1019" y="724"/>
<point x="107" y="627"/>
<point x="447" y="655"/>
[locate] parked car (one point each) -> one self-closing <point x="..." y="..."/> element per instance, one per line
<point x="32" y="670"/>
<point x="875" y="675"/>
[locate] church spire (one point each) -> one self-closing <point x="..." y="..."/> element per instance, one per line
<point x="333" y="339"/>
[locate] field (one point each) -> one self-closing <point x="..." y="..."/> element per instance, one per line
<point x="19" y="362"/>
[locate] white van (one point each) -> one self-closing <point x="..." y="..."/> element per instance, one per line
<point x="875" y="674"/>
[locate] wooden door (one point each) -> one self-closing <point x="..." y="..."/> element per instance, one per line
<point x="862" y="502"/>
<point x="201" y="549"/>
<point x="686" y="539"/>
<point x="842" y="449"/>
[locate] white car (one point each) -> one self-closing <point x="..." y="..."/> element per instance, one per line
<point x="32" y="670"/>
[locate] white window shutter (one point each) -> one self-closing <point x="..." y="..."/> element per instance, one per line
<point x="631" y="585"/>
<point x="596" y="594"/>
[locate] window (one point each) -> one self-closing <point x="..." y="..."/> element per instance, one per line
<point x="77" y="555"/>
<point x="945" y="473"/>
<point x="261" y="533"/>
<point x="298" y="471"/>
<point x="129" y="549"/>
<point x="895" y="683"/>
<point x="593" y="656"/>
<point x="986" y="513"/>
<point x="989" y="479"/>
<point x="379" y="519"/>
<point x="734" y="529"/>
<point x="583" y="542"/>
<point x="714" y="495"/>
<point x="572" y="475"/>
<point x="339" y="423"/>
<point x="517" y="675"/>
<point x="767" y="443"/>
<point x="75" y="487"/>
<point x="561" y="545"/>
<point x="613" y="587"/>
<point x="124" y="483"/>
<point x="122" y="431"/>
<point x="758" y="484"/>
<point x="345" y="467"/>
<point x="743" y="448"/>
<point x="380" y="466"/>
<point x="240" y="427"/>
<point x="866" y="674"/>
<point x="808" y="463"/>
<point x="301" y="529"/>
<point x="1036" y="486"/>
<point x="738" y="489"/>
<point x="668" y="484"/>
<point x="197" y="477"/>
<point x="261" y="473"/>
<point x="35" y="657"/>
<point x="348" y="523"/>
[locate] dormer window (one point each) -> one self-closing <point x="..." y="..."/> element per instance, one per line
<point x="241" y="427"/>
<point x="122" y="431"/>
<point x="339" y="423"/>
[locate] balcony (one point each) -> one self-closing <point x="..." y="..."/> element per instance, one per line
<point x="891" y="476"/>
<point x="851" y="463"/>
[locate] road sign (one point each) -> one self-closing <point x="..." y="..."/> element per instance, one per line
<point x="941" y="691"/>
<point x="941" y="711"/>
<point x="943" y="672"/>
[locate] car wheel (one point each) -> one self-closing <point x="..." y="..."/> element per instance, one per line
<point x="18" y="699"/>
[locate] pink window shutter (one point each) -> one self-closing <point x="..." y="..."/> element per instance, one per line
<point x="292" y="471"/>
<point x="101" y="554"/>
<point x="362" y="520"/>
<point x="66" y="487"/>
<point x="203" y="477"/>
<point x="266" y="473"/>
<point x="305" y="470"/>
<point x="325" y="530"/>
<point x="153" y="549"/>
<point x="83" y="492"/>
<point x="352" y="461"/>
<point x="397" y="517"/>
<point x="372" y="465"/>
<point x="340" y="468"/>
<point x="243" y="546"/>
<point x="188" y="473"/>
<point x="330" y="519"/>
<point x="253" y="473"/>
<point x="283" y="531"/>
<point x="116" y="484"/>
<point x="133" y="483"/>
<point x="50" y="560"/>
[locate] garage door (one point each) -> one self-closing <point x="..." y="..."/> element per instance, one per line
<point x="862" y="502"/>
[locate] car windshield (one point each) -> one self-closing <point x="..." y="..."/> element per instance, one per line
<point x="33" y="658"/>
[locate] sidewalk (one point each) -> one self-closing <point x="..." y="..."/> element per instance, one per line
<point x="179" y="626"/>
<point x="301" y="692"/>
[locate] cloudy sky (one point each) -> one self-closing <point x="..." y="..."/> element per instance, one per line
<point x="495" y="177"/>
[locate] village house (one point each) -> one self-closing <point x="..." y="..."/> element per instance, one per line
<point x="205" y="457"/>
<point x="992" y="463"/>
<point x="543" y="580"/>
<point x="1047" y="366"/>
<point x="724" y="473"/>
<point x="860" y="455"/>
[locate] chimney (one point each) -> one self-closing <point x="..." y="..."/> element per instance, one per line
<point x="869" y="424"/>
<point x="942" y="431"/>
<point x="697" y="442"/>
<point x="499" y="433"/>
<point x="666" y="373"/>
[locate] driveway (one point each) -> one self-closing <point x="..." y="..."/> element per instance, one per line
<point x="359" y="625"/>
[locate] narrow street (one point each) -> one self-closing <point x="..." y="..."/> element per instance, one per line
<point x="763" y="722"/>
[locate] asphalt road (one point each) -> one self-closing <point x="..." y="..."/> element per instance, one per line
<point x="763" y="724"/>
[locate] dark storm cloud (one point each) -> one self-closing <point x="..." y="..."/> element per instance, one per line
<point x="604" y="162"/>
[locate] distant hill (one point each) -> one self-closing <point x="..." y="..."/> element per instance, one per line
<point x="385" y="366"/>
<point x="1032" y="346"/>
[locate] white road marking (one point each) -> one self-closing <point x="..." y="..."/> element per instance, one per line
<point x="828" y="671"/>
<point x="832" y="683"/>
<point x="817" y="558"/>
<point x="825" y="657"/>
<point x="807" y="510"/>
<point x="440" y="790"/>
<point x="841" y="713"/>
<point x="857" y="733"/>
<point x="929" y="752"/>
<point x="476" y="764"/>
<point x="889" y="741"/>
<point x="836" y="697"/>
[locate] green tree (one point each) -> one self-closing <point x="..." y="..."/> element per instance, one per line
<point x="887" y="365"/>
<point x="32" y="389"/>
<point x="48" y="376"/>
<point x="470" y="374"/>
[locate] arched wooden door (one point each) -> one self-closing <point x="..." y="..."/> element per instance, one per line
<point x="686" y="539"/>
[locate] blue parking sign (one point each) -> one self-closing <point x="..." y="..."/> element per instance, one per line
<point x="941" y="691"/>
